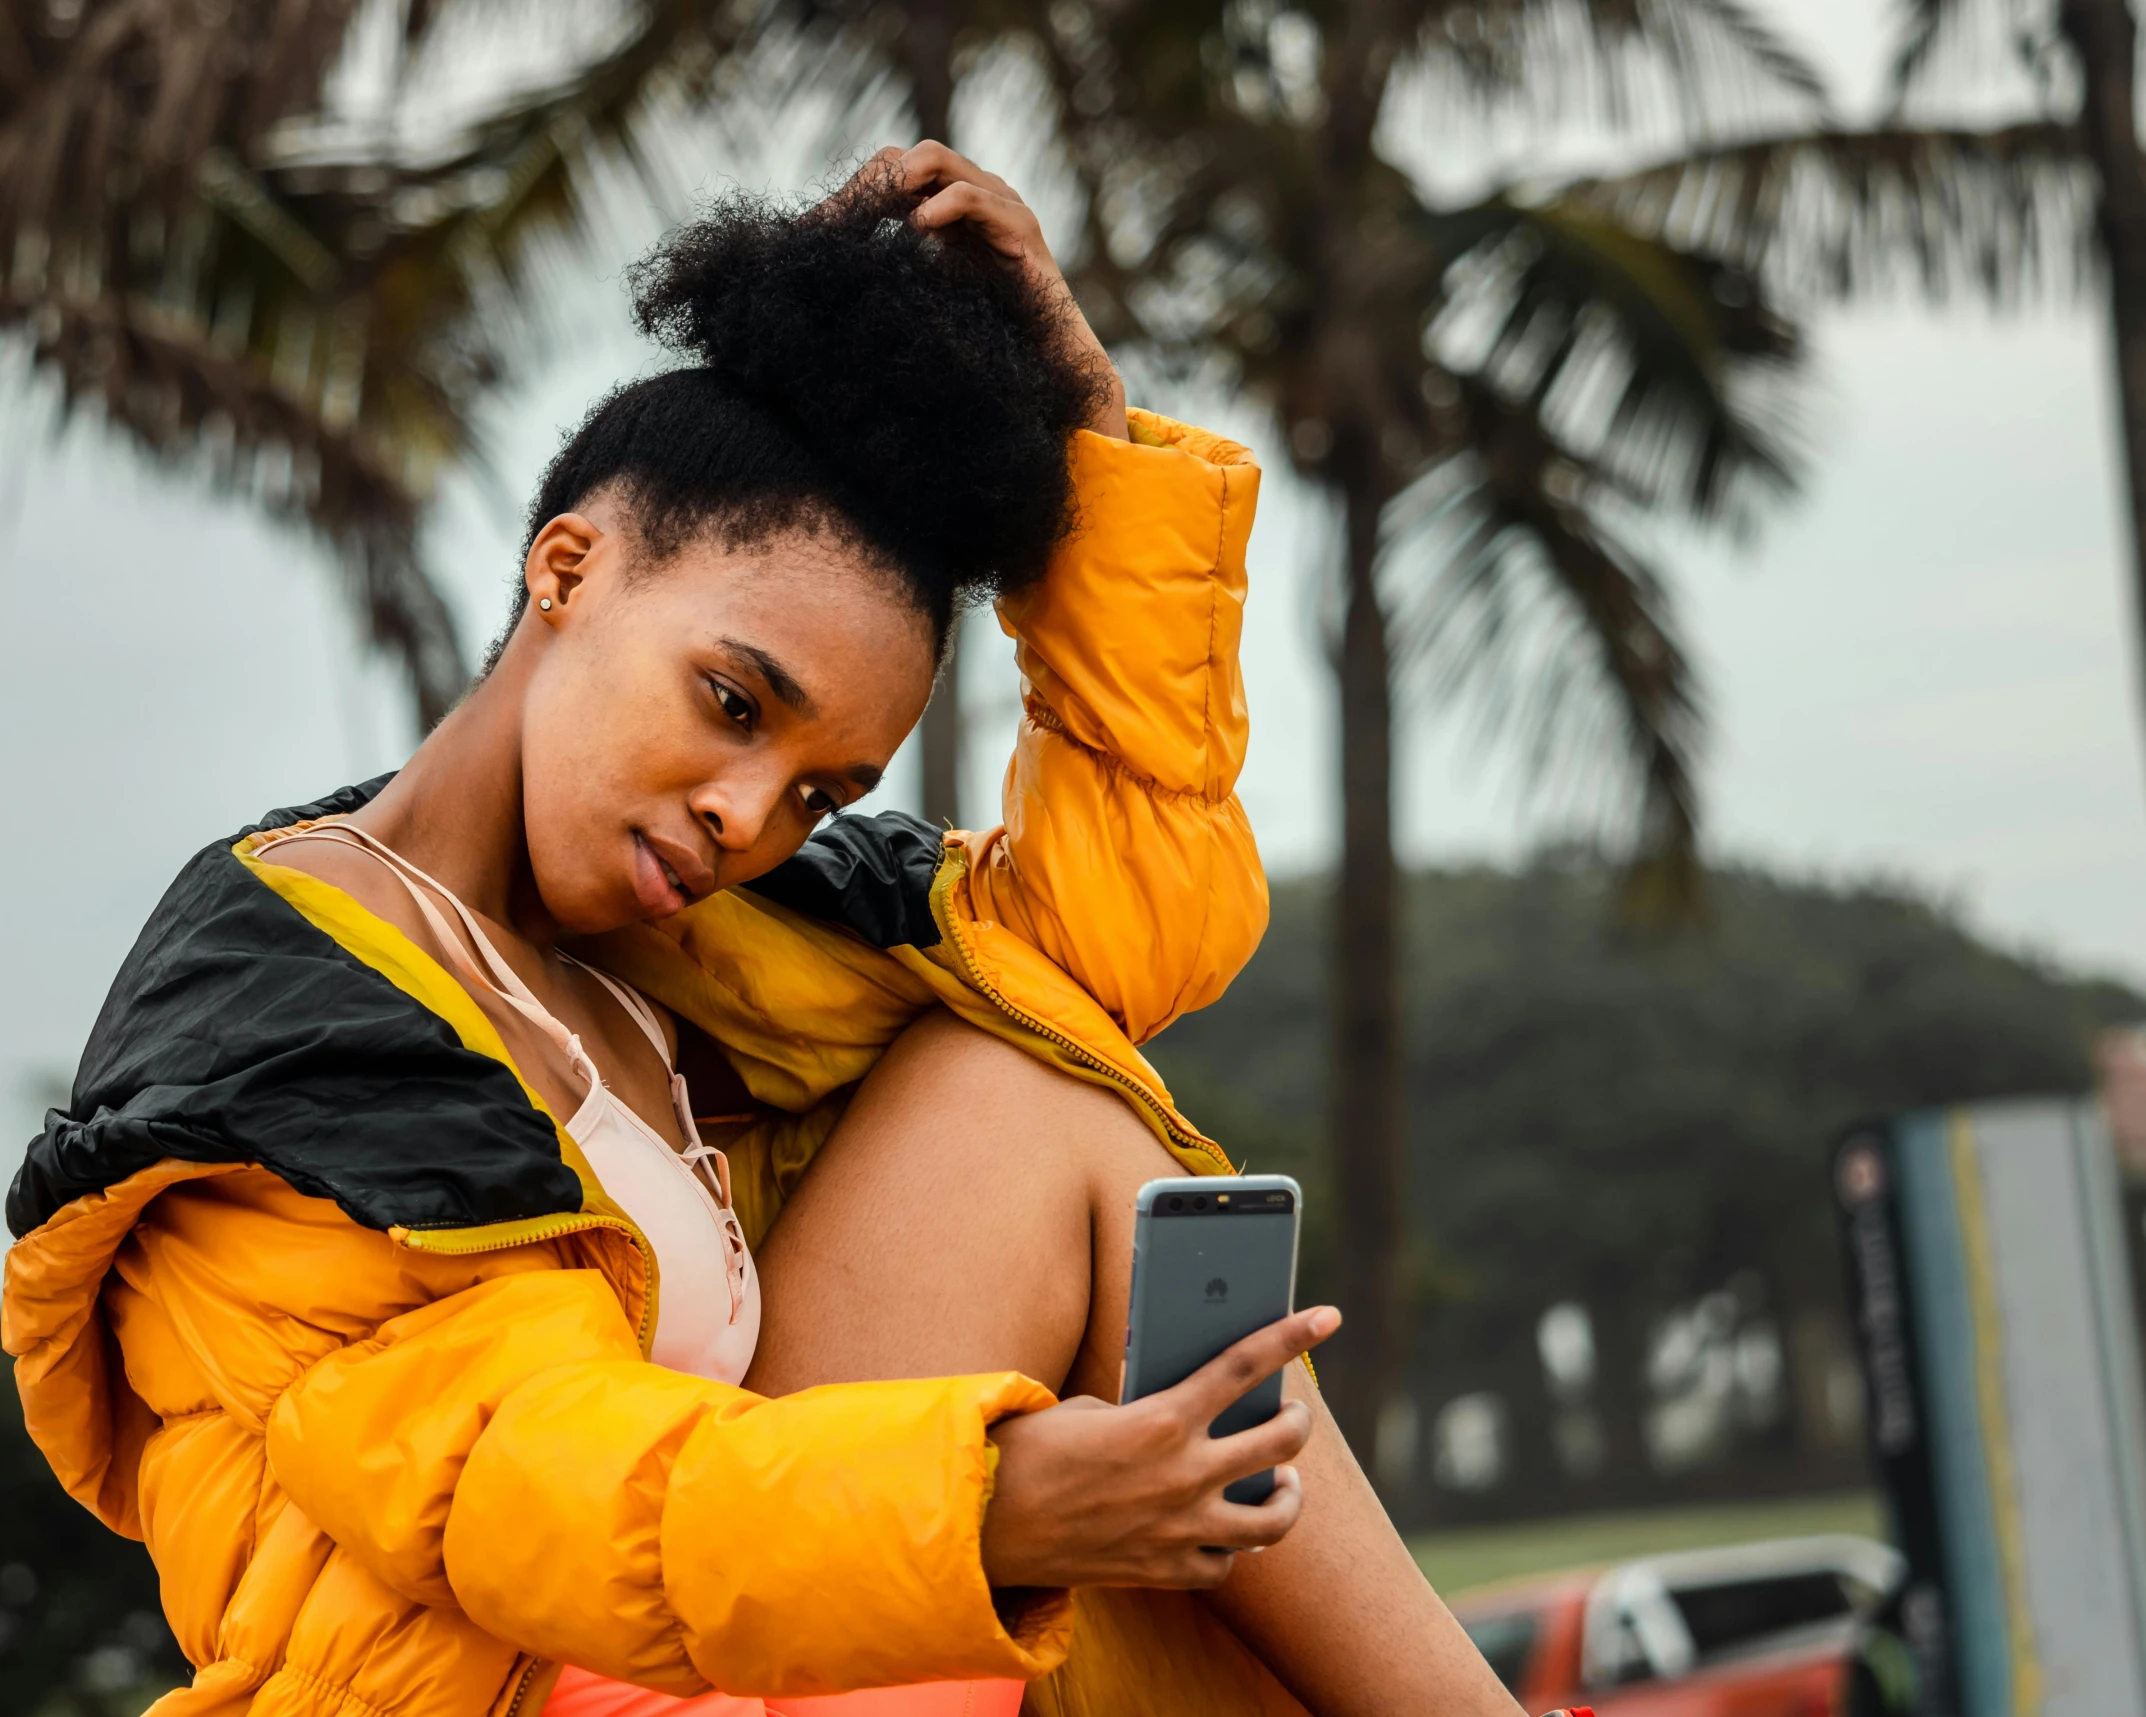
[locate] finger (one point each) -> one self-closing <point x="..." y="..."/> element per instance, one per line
<point x="1243" y="1526"/>
<point x="1281" y="1438"/>
<point x="1007" y="227"/>
<point x="1250" y="1526"/>
<point x="1283" y="1508"/>
<point x="931" y="165"/>
<point x="966" y="200"/>
<point x="1187" y="1566"/>
<point x="1239" y="1369"/>
<point x="1202" y="1570"/>
<point x="874" y="169"/>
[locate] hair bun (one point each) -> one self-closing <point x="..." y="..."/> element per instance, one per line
<point x="922" y="375"/>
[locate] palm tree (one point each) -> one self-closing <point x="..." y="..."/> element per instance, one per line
<point x="1497" y="394"/>
<point x="306" y="318"/>
<point x="924" y="48"/>
<point x="2102" y="36"/>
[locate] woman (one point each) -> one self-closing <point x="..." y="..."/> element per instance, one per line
<point x="387" y="1275"/>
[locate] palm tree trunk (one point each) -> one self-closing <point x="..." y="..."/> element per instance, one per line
<point x="939" y="741"/>
<point x="1623" y="1324"/>
<point x="1370" y="1164"/>
<point x="2104" y="37"/>
<point x="928" y="59"/>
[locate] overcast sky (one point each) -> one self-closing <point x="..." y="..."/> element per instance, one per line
<point x="1924" y="669"/>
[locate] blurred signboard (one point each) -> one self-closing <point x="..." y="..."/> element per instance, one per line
<point x="1991" y="1284"/>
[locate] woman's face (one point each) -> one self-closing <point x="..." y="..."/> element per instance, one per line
<point x="687" y="724"/>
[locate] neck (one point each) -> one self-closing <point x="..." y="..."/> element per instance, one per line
<point x="455" y="809"/>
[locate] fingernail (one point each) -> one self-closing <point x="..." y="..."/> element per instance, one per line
<point x="1325" y="1321"/>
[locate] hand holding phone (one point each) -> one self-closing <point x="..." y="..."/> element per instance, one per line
<point x="1094" y="1495"/>
<point x="1164" y="1488"/>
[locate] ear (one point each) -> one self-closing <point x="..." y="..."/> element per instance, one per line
<point x="558" y="560"/>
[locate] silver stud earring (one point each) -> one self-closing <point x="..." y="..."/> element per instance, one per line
<point x="544" y="602"/>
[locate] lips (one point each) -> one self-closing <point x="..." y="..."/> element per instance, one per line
<point x="667" y="878"/>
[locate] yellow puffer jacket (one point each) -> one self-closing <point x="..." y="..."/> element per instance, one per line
<point x="368" y="1372"/>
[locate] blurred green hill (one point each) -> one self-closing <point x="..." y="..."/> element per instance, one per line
<point x="1632" y="1128"/>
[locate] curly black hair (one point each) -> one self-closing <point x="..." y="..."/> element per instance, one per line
<point x="846" y="371"/>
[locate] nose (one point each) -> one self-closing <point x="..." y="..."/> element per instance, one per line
<point x="735" y="813"/>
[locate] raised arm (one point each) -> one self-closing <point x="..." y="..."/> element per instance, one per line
<point x="1125" y="857"/>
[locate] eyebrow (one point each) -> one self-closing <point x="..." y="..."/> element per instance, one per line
<point x="866" y="775"/>
<point x="779" y="679"/>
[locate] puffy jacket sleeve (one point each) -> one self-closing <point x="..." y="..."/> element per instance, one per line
<point x="506" y="1451"/>
<point x="1125" y="858"/>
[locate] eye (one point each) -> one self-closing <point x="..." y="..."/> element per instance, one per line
<point x="733" y="703"/>
<point x="817" y="802"/>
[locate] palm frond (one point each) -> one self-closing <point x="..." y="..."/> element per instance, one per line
<point x="311" y="304"/>
<point x="1705" y="64"/>
<point x="1668" y="370"/>
<point x="1923" y="26"/>
<point x="1151" y="96"/>
<point x="2003" y="213"/>
<point x="1768" y="53"/>
<point x="1941" y="42"/>
<point x="189" y="402"/>
<point x="1540" y="374"/>
<point x="1523" y="600"/>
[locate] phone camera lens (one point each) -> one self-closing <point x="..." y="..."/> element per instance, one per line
<point x="1199" y="1204"/>
<point x="1177" y="1204"/>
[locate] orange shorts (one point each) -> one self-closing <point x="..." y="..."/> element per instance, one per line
<point x="581" y="1694"/>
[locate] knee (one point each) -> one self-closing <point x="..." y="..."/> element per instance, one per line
<point x="943" y="1050"/>
<point x="975" y="1075"/>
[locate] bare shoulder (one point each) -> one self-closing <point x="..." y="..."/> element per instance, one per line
<point x="357" y="873"/>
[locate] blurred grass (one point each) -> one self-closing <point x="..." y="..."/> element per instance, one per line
<point x="1458" y="1562"/>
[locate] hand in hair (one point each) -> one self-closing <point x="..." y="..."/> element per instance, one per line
<point x="906" y="379"/>
<point x="955" y="191"/>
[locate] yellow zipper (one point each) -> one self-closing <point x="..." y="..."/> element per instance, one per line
<point x="950" y="927"/>
<point x="521" y="1687"/>
<point x="528" y="1232"/>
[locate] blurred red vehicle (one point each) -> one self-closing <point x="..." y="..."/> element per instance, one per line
<point x="1754" y="1630"/>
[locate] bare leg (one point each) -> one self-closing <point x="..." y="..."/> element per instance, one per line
<point x="974" y="1212"/>
<point x="954" y="1223"/>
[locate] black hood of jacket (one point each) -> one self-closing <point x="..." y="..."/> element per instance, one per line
<point x="236" y="1031"/>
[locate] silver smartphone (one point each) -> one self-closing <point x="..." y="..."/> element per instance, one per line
<point x="1214" y="1259"/>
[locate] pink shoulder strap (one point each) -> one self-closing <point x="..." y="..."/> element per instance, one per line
<point x="635" y="1004"/>
<point x="494" y="974"/>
